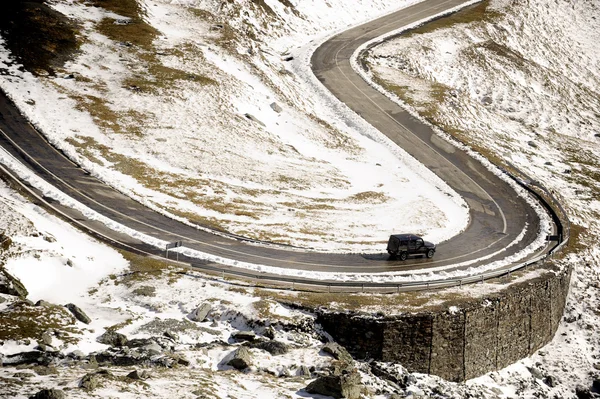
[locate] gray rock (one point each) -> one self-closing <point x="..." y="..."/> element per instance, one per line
<point x="138" y="375"/>
<point x="551" y="381"/>
<point x="182" y="361"/>
<point x="341" y="386"/>
<point x="275" y="107"/>
<point x="78" y="313"/>
<point x="487" y="100"/>
<point x="241" y="358"/>
<point x="535" y="373"/>
<point x="112" y="338"/>
<point x="46" y="338"/>
<point x="49" y="394"/>
<point x="41" y="302"/>
<point x="337" y="351"/>
<point x="254" y="119"/>
<point x="153" y="348"/>
<point x="269" y="332"/>
<point x="31" y="357"/>
<point x="273" y="347"/>
<point x="532" y="144"/>
<point x="2" y="299"/>
<point x="11" y="286"/>
<point x="201" y="313"/>
<point x="304" y="371"/>
<point x="171" y="335"/>
<point x="46" y="348"/>
<point x="77" y="354"/>
<point x="91" y="381"/>
<point x="244" y="336"/>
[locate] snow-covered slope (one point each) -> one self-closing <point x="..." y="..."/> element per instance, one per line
<point x="519" y="82"/>
<point x="207" y="111"/>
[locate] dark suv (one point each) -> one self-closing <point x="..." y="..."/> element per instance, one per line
<point x="402" y="245"/>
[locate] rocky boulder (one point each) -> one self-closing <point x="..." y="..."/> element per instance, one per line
<point x="241" y="358"/>
<point x="346" y="386"/>
<point x="200" y="313"/>
<point x="112" y="338"/>
<point x="337" y="351"/>
<point x="273" y="347"/>
<point x="11" y="286"/>
<point x="244" y="336"/>
<point x="49" y="394"/>
<point x="78" y="313"/>
<point x="138" y="375"/>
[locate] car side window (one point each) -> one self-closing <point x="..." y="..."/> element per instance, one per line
<point x="420" y="243"/>
<point x="412" y="244"/>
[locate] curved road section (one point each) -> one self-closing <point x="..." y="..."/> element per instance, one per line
<point x="498" y="215"/>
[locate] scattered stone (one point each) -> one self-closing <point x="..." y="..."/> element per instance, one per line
<point x="486" y="100"/>
<point x="254" y="119"/>
<point x="532" y="144"/>
<point x="244" y="336"/>
<point x="91" y="381"/>
<point x="182" y="361"/>
<point x="31" y="357"/>
<point x="112" y="338"/>
<point x="535" y="373"/>
<point x="570" y="319"/>
<point x="337" y="351"/>
<point x="11" y="286"/>
<point x="138" y="375"/>
<point x="171" y="335"/>
<point x="201" y="312"/>
<point x="49" y="394"/>
<point x="342" y="386"/>
<point x="153" y="348"/>
<point x="241" y="358"/>
<point x="551" y="381"/>
<point x="273" y="347"/>
<point x="46" y="338"/>
<point x="2" y="299"/>
<point x="288" y="58"/>
<point x="46" y="348"/>
<point x="78" y="313"/>
<point x="304" y="371"/>
<point x="77" y="354"/>
<point x="275" y="107"/>
<point x="41" y="302"/>
<point x="269" y="332"/>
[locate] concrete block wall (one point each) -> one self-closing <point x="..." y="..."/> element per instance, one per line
<point x="485" y="334"/>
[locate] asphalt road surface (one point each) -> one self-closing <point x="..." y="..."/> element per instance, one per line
<point x="498" y="215"/>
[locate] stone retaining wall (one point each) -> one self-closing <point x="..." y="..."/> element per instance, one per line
<point x="485" y="334"/>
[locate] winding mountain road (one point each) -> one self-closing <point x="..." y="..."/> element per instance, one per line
<point x="498" y="215"/>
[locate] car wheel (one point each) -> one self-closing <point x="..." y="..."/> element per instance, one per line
<point x="430" y="253"/>
<point x="403" y="255"/>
